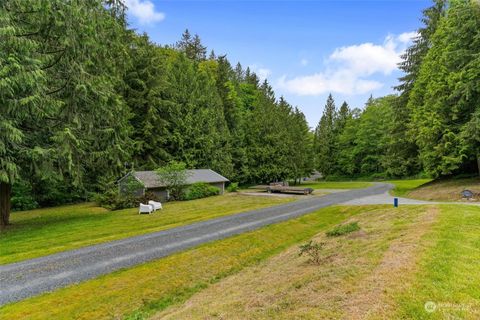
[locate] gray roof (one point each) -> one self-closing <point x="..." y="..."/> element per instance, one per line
<point x="151" y="180"/>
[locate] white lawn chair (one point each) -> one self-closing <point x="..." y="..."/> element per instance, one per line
<point x="156" y="205"/>
<point x="145" y="208"/>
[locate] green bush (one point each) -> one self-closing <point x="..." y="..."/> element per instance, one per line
<point x="378" y="176"/>
<point x="233" y="187"/>
<point x="200" y="190"/>
<point x="343" y="229"/>
<point x="22" y="198"/>
<point x="114" y="200"/>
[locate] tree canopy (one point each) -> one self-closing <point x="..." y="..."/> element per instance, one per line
<point x="84" y="99"/>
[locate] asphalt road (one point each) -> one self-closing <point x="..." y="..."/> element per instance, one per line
<point x="32" y="277"/>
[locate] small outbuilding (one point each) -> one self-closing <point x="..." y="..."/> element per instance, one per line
<point x="150" y="181"/>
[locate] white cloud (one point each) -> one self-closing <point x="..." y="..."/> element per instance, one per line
<point x="407" y="37"/>
<point x="144" y="11"/>
<point x="319" y="83"/>
<point x="262" y="73"/>
<point x="347" y="69"/>
<point x="304" y="62"/>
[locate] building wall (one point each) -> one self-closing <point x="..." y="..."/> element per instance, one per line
<point x="160" y="193"/>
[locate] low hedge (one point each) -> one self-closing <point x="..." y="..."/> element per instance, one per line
<point x="200" y="190"/>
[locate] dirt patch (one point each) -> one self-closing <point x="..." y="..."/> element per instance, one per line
<point x="352" y="281"/>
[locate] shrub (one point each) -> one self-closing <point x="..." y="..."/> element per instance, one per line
<point x="378" y="176"/>
<point x="22" y="198"/>
<point x="313" y="250"/>
<point x="343" y="229"/>
<point x="114" y="200"/>
<point x="233" y="187"/>
<point x="200" y="190"/>
<point x="53" y="192"/>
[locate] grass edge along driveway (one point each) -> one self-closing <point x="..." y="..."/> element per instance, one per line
<point x="46" y="231"/>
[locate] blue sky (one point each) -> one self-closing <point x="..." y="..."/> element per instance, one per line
<point x="306" y="49"/>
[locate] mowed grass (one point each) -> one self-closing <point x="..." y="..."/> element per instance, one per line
<point x="350" y="283"/>
<point x="336" y="184"/>
<point x="145" y="289"/>
<point x="399" y="260"/>
<point x="404" y="187"/>
<point x="448" y="273"/>
<point x="45" y="231"/>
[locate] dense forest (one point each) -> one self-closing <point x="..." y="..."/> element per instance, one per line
<point x="84" y="99"/>
<point x="431" y="126"/>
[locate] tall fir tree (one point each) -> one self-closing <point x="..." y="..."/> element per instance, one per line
<point x="145" y="82"/>
<point x="324" y="143"/>
<point x="402" y="154"/>
<point x="192" y="46"/>
<point x="445" y="98"/>
<point x="22" y="96"/>
<point x="73" y="122"/>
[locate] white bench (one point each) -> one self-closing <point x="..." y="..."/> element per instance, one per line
<point x="145" y="208"/>
<point x="156" y="205"/>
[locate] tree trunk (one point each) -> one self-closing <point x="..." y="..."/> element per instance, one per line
<point x="478" y="163"/>
<point x="5" y="193"/>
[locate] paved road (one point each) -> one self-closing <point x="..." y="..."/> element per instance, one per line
<point x="28" y="278"/>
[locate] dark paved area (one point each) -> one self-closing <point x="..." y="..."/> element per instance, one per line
<point x="31" y="277"/>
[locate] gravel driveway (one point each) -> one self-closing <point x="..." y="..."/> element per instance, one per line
<point x="31" y="277"/>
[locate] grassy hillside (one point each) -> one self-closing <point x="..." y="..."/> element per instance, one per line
<point x="403" y="187"/>
<point x="45" y="231"/>
<point x="446" y="190"/>
<point x="398" y="261"/>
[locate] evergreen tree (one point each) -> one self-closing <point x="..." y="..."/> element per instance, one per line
<point x="146" y="84"/>
<point x="342" y="117"/>
<point x="402" y="154"/>
<point x="73" y="122"/>
<point x="22" y="96"/>
<point x="445" y="98"/>
<point x="192" y="46"/>
<point x="324" y="143"/>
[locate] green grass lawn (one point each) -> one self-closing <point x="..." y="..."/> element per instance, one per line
<point x="448" y="274"/>
<point x="45" y="231"/>
<point x="403" y="187"/>
<point x="154" y="286"/>
<point x="336" y="184"/>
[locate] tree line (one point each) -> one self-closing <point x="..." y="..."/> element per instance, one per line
<point x="431" y="126"/>
<point x="83" y="99"/>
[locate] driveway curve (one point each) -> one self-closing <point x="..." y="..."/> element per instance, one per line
<point x="32" y="277"/>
